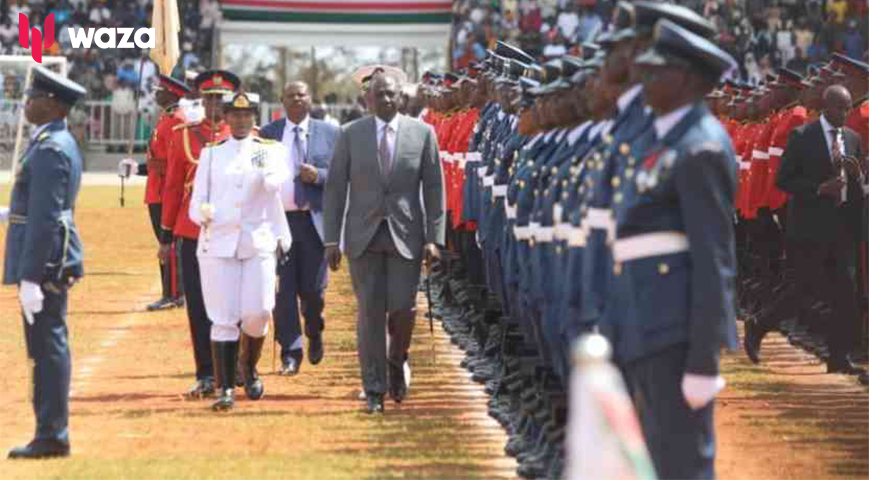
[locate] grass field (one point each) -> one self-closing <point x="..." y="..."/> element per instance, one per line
<point x="784" y="420"/>
<point x="128" y="419"/>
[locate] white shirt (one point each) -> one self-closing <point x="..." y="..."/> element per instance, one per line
<point x="288" y="188"/>
<point x="665" y="123"/>
<point x="390" y="141"/>
<point x="577" y="132"/>
<point x="828" y="136"/>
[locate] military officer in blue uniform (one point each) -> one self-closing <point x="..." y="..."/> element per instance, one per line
<point x="669" y="307"/>
<point x="44" y="254"/>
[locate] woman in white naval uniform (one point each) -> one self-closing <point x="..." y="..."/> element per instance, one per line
<point x="236" y="199"/>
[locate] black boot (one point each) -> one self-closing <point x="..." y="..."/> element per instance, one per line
<point x="250" y="351"/>
<point x="225" y="356"/>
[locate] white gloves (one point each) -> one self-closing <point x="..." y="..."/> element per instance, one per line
<point x="31" y="297"/>
<point x="699" y="390"/>
<point x="126" y="167"/>
<point x="4" y="215"/>
<point x="207" y="212"/>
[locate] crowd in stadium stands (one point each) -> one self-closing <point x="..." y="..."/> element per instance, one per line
<point x="109" y="73"/>
<point x="761" y="34"/>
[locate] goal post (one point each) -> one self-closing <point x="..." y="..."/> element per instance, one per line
<point x="16" y="74"/>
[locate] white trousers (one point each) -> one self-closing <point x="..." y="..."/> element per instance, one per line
<point x="238" y="291"/>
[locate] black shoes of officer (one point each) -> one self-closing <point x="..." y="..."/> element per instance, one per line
<point x="397" y="382"/>
<point x="315" y="349"/>
<point x="291" y="363"/>
<point x="250" y="351"/>
<point x="842" y="364"/>
<point x="375" y="402"/>
<point x="225" y="355"/>
<point x="40" y="449"/>
<point x="752" y="340"/>
<point x="202" y="389"/>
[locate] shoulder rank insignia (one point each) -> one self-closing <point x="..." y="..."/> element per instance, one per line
<point x="214" y="144"/>
<point x="265" y="141"/>
<point x="42" y="136"/>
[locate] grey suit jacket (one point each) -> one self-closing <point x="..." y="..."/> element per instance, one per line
<point x="394" y="197"/>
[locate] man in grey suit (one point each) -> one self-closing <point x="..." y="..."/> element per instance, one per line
<point x="310" y="144"/>
<point x="381" y="162"/>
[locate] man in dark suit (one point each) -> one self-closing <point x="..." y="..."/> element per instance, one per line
<point x="44" y="254"/>
<point x="381" y="162"/>
<point x="821" y="170"/>
<point x="310" y="144"/>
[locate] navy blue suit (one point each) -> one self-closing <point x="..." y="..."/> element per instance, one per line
<point x="669" y="314"/>
<point x="303" y="279"/>
<point x="43" y="247"/>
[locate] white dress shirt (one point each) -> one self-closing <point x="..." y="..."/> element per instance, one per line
<point x="391" y="140"/>
<point x="666" y="122"/>
<point x="828" y="128"/>
<point x="288" y="189"/>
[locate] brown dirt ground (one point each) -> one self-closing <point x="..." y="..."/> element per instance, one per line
<point x="783" y="420"/>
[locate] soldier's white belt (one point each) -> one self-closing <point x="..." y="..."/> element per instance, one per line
<point x="481" y="171"/>
<point x="776" y="152"/>
<point x="499" y="190"/>
<point x="521" y="233"/>
<point x="510" y="211"/>
<point x="473" y="156"/>
<point x="759" y="155"/>
<point x="489" y="180"/>
<point x="576" y="236"/>
<point x="599" y="218"/>
<point x="649" y="245"/>
<point x="744" y="165"/>
<point x="562" y="232"/>
<point x="544" y="234"/>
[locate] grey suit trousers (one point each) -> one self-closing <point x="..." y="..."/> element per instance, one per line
<point x="385" y="284"/>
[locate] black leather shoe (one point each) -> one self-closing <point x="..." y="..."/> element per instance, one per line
<point x="844" y="365"/>
<point x="40" y="449"/>
<point x="315" y="349"/>
<point x="397" y="384"/>
<point x="202" y="389"/>
<point x="752" y="340"/>
<point x="290" y="364"/>
<point x="863" y="379"/>
<point x="375" y="402"/>
<point x="164" y="303"/>
<point x="178" y="301"/>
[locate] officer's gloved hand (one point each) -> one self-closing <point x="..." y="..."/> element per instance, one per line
<point x="4" y="215"/>
<point x="126" y="167"/>
<point x="207" y="212"/>
<point x="31" y="297"/>
<point x="699" y="390"/>
<point x="283" y="253"/>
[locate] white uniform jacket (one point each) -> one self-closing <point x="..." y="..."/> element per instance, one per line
<point x="245" y="178"/>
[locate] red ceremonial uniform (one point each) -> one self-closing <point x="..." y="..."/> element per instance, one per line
<point x="186" y="144"/>
<point x="740" y="139"/>
<point x="158" y="155"/>
<point x="760" y="166"/>
<point x="789" y="120"/>
<point x="858" y="120"/>
<point x="459" y="145"/>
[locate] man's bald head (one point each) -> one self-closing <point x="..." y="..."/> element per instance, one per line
<point x="837" y="105"/>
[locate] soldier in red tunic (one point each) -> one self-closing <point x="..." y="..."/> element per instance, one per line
<point x="168" y="92"/>
<point x="187" y="141"/>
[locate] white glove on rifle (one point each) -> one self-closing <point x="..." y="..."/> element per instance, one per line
<point x="31" y="297"/>
<point x="699" y="390"/>
<point x="126" y="167"/>
<point x="4" y="215"/>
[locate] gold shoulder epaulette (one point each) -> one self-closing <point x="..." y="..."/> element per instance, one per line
<point x="214" y="144"/>
<point x="186" y="125"/>
<point x="264" y="140"/>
